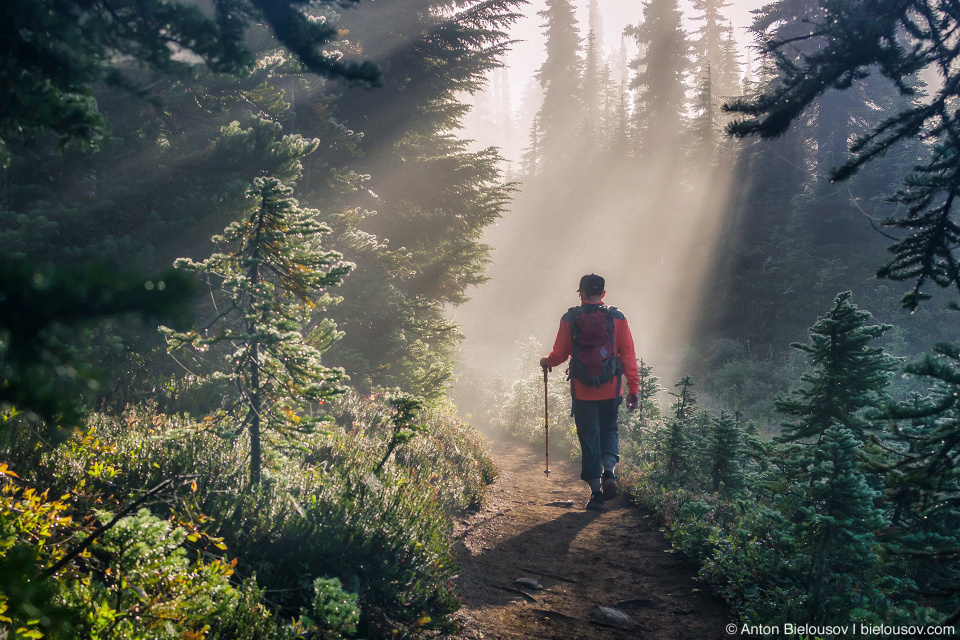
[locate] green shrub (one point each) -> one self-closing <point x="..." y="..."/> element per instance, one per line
<point x="135" y="581"/>
<point x="447" y="455"/>
<point x="321" y="511"/>
<point x="335" y="614"/>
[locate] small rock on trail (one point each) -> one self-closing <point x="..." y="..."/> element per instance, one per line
<point x="615" y="617"/>
<point x="585" y="562"/>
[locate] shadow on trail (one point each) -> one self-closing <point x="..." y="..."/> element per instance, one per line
<point x="584" y="560"/>
<point x="541" y="552"/>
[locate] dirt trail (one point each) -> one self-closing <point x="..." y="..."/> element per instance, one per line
<point x="583" y="560"/>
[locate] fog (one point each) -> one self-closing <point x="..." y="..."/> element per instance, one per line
<point x="648" y="227"/>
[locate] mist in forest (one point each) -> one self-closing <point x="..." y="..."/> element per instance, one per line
<point x="652" y="240"/>
<point x="639" y="200"/>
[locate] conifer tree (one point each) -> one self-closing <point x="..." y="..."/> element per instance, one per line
<point x="58" y="51"/>
<point x="725" y="454"/>
<point x="849" y="375"/>
<point x="268" y="277"/>
<point x="923" y="478"/>
<point x="640" y="424"/>
<point x="593" y="135"/>
<point x="704" y="124"/>
<point x="710" y="44"/>
<point x="590" y="128"/>
<point x="660" y="76"/>
<point x="729" y="68"/>
<point x="560" y="77"/>
<point x="433" y="196"/>
<point x="832" y="47"/>
<point x="619" y="122"/>
<point x="676" y="444"/>
<point x="648" y="409"/>
<point x="929" y="468"/>
<point x="820" y="484"/>
<point x="837" y="532"/>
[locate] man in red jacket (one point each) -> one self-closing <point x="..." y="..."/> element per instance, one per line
<point x="598" y="341"/>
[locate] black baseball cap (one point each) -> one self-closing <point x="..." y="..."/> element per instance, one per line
<point x="591" y="285"/>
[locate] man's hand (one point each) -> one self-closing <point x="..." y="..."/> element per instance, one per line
<point x="633" y="400"/>
<point x="544" y="365"/>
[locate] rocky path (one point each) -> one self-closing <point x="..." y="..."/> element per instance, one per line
<point x="585" y="563"/>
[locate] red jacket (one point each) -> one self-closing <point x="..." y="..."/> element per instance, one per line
<point x="623" y="342"/>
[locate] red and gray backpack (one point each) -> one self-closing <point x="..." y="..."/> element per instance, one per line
<point x="594" y="360"/>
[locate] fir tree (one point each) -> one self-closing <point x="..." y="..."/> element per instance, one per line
<point x="560" y="77"/>
<point x="271" y="273"/>
<point x="837" y="44"/>
<point x="433" y="196"/>
<point x="725" y="454"/>
<point x="56" y="52"/>
<point x="660" y="76"/>
<point x="729" y="80"/>
<point x="593" y="93"/>
<point x="676" y="444"/>
<point x="704" y="124"/>
<point x="923" y="477"/>
<point x="929" y="468"/>
<point x="836" y="532"/>
<point x="710" y="44"/>
<point x="849" y="375"/>
<point x="820" y="484"/>
<point x="648" y="409"/>
<point x="639" y="426"/>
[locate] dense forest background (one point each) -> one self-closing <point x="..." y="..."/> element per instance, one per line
<point x="720" y="250"/>
<point x="287" y="190"/>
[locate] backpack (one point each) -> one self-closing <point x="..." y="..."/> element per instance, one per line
<point x="594" y="360"/>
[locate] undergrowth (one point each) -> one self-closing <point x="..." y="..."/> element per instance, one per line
<point x="248" y="560"/>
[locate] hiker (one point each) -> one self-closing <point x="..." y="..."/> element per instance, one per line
<point x="599" y="341"/>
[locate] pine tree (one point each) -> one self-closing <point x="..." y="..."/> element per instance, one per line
<point x="432" y="195"/>
<point x="61" y="50"/>
<point x="837" y="530"/>
<point x="271" y="273"/>
<point x="676" y="444"/>
<point x="560" y="77"/>
<point x="849" y="375"/>
<point x="660" y="77"/>
<point x="725" y="454"/>
<point x="841" y="43"/>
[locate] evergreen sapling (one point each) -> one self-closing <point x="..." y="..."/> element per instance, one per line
<point x="264" y="286"/>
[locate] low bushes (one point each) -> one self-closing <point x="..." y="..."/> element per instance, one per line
<point x="326" y="511"/>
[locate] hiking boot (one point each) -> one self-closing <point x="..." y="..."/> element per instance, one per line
<point x="609" y="485"/>
<point x="596" y="501"/>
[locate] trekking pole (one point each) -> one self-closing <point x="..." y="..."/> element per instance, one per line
<point x="546" y="423"/>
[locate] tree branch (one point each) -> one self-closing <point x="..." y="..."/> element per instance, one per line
<point x="106" y="527"/>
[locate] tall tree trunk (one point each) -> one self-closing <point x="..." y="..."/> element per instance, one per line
<point x="255" y="454"/>
<point x="255" y="449"/>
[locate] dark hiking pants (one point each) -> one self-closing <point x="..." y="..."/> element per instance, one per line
<point x="596" y="422"/>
